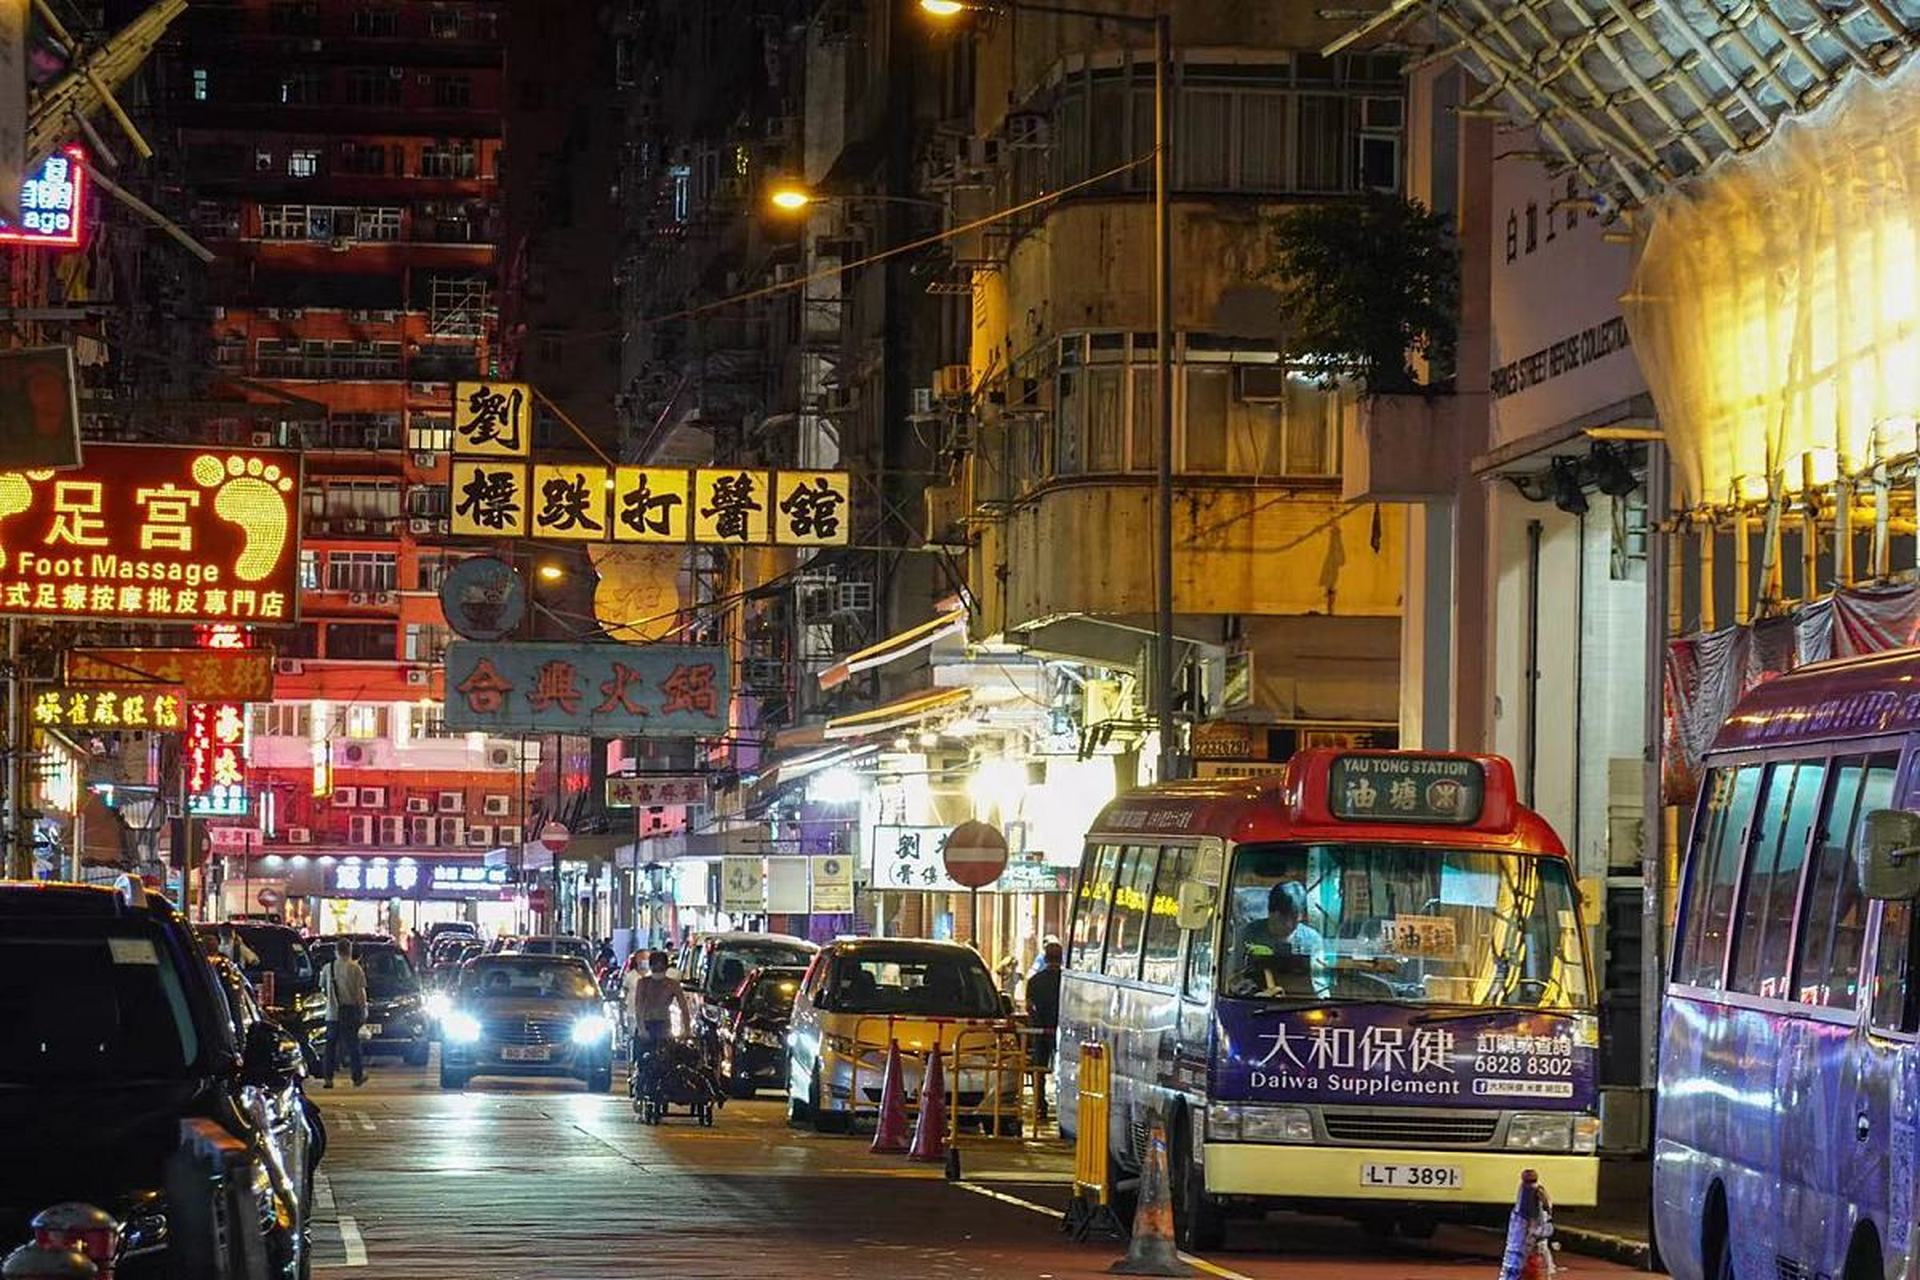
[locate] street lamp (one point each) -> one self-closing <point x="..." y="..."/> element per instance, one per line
<point x="1171" y="757"/>
<point x="790" y="196"/>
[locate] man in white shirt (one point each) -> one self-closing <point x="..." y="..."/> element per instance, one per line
<point x="344" y="983"/>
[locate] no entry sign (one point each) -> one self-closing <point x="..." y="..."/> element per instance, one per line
<point x="975" y="854"/>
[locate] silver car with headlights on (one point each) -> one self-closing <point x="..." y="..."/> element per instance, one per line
<point x="526" y="1015"/>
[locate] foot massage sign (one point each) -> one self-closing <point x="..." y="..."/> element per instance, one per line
<point x="154" y="532"/>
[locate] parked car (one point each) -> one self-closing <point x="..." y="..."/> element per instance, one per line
<point x="116" y="1033"/>
<point x="442" y="928"/>
<point x="713" y="965"/>
<point x="526" y="1015"/>
<point x="396" y="1006"/>
<point x="553" y="944"/>
<point x="861" y="993"/>
<point x="278" y="962"/>
<point x="753" y="1042"/>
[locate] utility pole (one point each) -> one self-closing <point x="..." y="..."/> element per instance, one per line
<point x="19" y="825"/>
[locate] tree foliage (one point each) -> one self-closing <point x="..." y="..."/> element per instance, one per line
<point x="1367" y="287"/>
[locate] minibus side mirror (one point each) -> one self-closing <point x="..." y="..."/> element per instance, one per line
<point x="1194" y="905"/>
<point x="1892" y="867"/>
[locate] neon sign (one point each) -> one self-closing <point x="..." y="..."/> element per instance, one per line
<point x="52" y="203"/>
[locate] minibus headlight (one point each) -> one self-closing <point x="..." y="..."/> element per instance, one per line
<point x="1223" y="1123"/>
<point x="1586" y="1134"/>
<point x="1229" y="1123"/>
<point x="1541" y="1132"/>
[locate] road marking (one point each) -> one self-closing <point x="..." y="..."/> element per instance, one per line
<point x="322" y="1193"/>
<point x="356" y="1248"/>
<point x="1212" y="1269"/>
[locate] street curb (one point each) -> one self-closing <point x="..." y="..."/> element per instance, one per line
<point x="1601" y="1244"/>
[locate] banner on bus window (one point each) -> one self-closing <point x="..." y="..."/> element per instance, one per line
<point x="1391" y="1055"/>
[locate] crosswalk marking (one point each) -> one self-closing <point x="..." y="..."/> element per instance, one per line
<point x="356" y="1248"/>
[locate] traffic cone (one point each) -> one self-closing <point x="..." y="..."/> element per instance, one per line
<point x="890" y="1134"/>
<point x="930" y="1130"/>
<point x="1525" y="1256"/>
<point x="1151" y="1252"/>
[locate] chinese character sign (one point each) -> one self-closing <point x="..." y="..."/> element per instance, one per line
<point x="52" y="203"/>
<point x="810" y="508"/>
<point x="644" y="791"/>
<point x="732" y="506"/>
<point x="650" y="504"/>
<point x="150" y="707"/>
<point x="489" y="499"/>
<point x="216" y="759"/>
<point x="1388" y="787"/>
<point x="206" y="675"/>
<point x="649" y="691"/>
<point x="570" y="502"/>
<point x="912" y="858"/>
<point x="492" y="419"/>
<point x="154" y="533"/>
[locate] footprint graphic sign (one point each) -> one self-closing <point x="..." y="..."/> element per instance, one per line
<point x="154" y="532"/>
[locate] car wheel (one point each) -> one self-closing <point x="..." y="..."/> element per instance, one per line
<point x="1198" y="1222"/>
<point x="824" y="1121"/>
<point x="451" y="1078"/>
<point x="417" y="1053"/>
<point x="600" y="1079"/>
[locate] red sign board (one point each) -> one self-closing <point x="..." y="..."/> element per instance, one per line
<point x="207" y="675"/>
<point x="975" y="854"/>
<point x="216" y="759"/>
<point x="537" y="898"/>
<point x="154" y="532"/>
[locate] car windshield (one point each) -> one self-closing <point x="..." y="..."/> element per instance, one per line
<point x="281" y="953"/>
<point x="91" y="1001"/>
<point x="913" y="980"/>
<point x="388" y="972"/>
<point x="773" y="997"/>
<point x="557" y="947"/>
<point x="1404" y="923"/>
<point x="732" y="961"/>
<point x="510" y="977"/>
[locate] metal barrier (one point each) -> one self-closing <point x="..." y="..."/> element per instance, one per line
<point x="1092" y="1205"/>
<point x="999" y="1057"/>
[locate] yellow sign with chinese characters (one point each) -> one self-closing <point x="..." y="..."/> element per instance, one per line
<point x="154" y="532"/>
<point x="492" y="419"/>
<point x="489" y="499"/>
<point x="650" y="504"/>
<point x="732" y="506"/>
<point x="570" y="501"/>
<point x="155" y="708"/>
<point x="810" y="508"/>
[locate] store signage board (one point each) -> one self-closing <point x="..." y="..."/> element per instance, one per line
<point x="217" y="760"/>
<point x="743" y="885"/>
<point x="591" y="502"/>
<point x="483" y="598"/>
<point x="53" y="202"/>
<point x="1445" y="790"/>
<point x="119" y="708"/>
<point x="644" y="791"/>
<point x="205" y="675"/>
<point x="154" y="533"/>
<point x="605" y="690"/>
<point x="831" y="879"/>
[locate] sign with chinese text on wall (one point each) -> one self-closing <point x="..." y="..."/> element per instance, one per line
<point x="155" y="533"/>
<point x="914" y="858"/>
<point x="588" y="502"/>
<point x="492" y="419"/>
<point x="52" y="203"/>
<point x="648" y="789"/>
<point x="216" y="760"/>
<point x="156" y="708"/>
<point x="206" y="675"/>
<point x="606" y="690"/>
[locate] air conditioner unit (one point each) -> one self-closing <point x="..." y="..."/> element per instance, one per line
<point x="418" y="525"/>
<point x="382" y="597"/>
<point x="425" y="458"/>
<point x="452" y="831"/>
<point x="373" y="797"/>
<point x="358" y="597"/>
<point x="359" y="317"/>
<point x="494" y="806"/>
<point x="480" y="836"/>
<point x="299" y="835"/>
<point x="440" y="526"/>
<point x="354" y="753"/>
<point x="343" y="797"/>
<point x="340" y="244"/>
<point x="500" y="757"/>
<point x="421" y="388"/>
<point x="416" y="675"/>
<point x="288" y="666"/>
<point x="419" y="804"/>
<point x="393" y="831"/>
<point x="507" y="836"/>
<point x="262" y="439"/>
<point x="420" y="831"/>
<point x="351" y="526"/>
<point x="453" y="802"/>
<point x="360" y="829"/>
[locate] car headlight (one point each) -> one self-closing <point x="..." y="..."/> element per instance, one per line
<point x="1552" y="1132"/>
<point x="591" y="1029"/>
<point x="461" y="1028"/>
<point x="770" y="1039"/>
<point x="438" y="1004"/>
<point x="1230" y="1123"/>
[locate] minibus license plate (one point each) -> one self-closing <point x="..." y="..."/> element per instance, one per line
<point x="1439" y="1176"/>
<point x="525" y="1052"/>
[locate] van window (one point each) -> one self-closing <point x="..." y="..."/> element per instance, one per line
<point x="1161" y="968"/>
<point x="1834" y="925"/>
<point x="1784" y="820"/>
<point x="1090" y="907"/>
<point x="1893" y="992"/>
<point x="1133" y="888"/>
<point x="1713" y="871"/>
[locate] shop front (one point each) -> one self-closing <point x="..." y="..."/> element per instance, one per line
<point x="372" y="893"/>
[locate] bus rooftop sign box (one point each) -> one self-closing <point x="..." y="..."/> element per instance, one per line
<point x="1404" y="788"/>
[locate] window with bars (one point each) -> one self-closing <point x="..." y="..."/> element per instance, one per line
<point x="368" y="500"/>
<point x="376" y="22"/>
<point x="428" y="502"/>
<point x="455" y="159"/>
<point x="309" y="570"/>
<point x="459" y="23"/>
<point x="425" y="642"/>
<point x="374" y="86"/>
<point x="366" y="571"/>
<point x="429" y="432"/>
<point x="303" y="164"/>
<point x="283" y="720"/>
<point x="452" y="91"/>
<point x="457" y="304"/>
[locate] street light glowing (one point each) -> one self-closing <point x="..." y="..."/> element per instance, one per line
<point x="943" y="8"/>
<point x="791" y="199"/>
<point x="551" y="572"/>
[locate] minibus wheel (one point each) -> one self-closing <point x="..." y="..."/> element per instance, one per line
<point x="1198" y="1221"/>
<point x="1863" y="1259"/>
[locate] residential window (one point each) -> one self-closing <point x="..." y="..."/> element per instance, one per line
<point x="303" y="164"/>
<point x="456" y="305"/>
<point x="283" y="720"/>
<point x="374" y="86"/>
<point x="376" y="501"/>
<point x="305" y="88"/>
<point x="368" y="159"/>
<point x="428" y="502"/>
<point x="356" y="430"/>
<point x="376" y="22"/>
<point x="426" y="642"/>
<point x="362" y="641"/>
<point x="283" y="221"/>
<point x="361" y="571"/>
<point x="433" y="571"/>
<point x="452" y="91"/>
<point x="309" y="570"/>
<point x="367" y="720"/>
<point x="201" y="84"/>
<point x="443" y="159"/>
<point x="432" y="721"/>
<point x="462" y="23"/>
<point x="429" y="432"/>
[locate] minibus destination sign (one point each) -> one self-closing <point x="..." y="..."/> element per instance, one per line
<point x="1445" y="790"/>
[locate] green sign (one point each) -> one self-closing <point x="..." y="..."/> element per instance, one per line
<point x="1441" y="790"/>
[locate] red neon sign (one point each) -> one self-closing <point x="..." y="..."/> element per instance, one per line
<point x="53" y="203"/>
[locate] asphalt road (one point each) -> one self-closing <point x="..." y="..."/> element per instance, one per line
<point x="534" y="1179"/>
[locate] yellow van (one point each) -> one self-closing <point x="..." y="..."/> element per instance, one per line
<point x="862" y="993"/>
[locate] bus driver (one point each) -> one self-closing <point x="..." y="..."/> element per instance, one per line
<point x="1277" y="953"/>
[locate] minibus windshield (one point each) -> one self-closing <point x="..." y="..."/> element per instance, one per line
<point x="1405" y="923"/>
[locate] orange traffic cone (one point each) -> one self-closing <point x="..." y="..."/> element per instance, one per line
<point x="1151" y="1252"/>
<point x="930" y="1130"/>
<point x="890" y="1135"/>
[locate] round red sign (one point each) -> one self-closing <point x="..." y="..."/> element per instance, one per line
<point x="555" y="836"/>
<point x="976" y="854"/>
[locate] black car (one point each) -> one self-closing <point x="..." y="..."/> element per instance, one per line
<point x="125" y="1061"/>
<point x="397" y="1019"/>
<point x="278" y="963"/>
<point x="753" y="1042"/>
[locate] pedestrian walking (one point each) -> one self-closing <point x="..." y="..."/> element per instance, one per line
<point x="1043" y="1020"/>
<point x="345" y="985"/>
